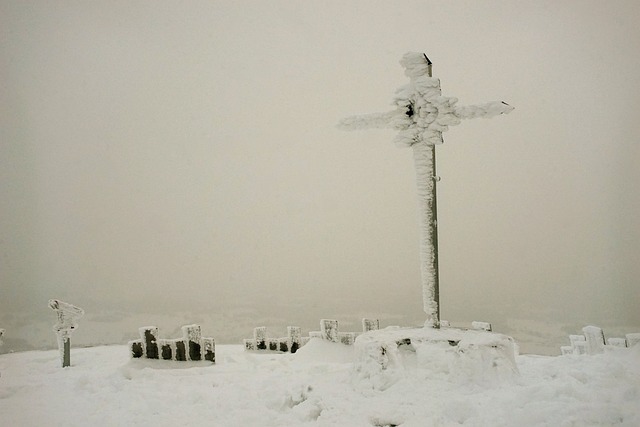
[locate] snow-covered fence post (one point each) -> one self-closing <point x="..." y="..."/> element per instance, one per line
<point x="68" y="314"/>
<point x="421" y="115"/>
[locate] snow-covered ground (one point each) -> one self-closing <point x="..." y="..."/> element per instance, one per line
<point x="315" y="386"/>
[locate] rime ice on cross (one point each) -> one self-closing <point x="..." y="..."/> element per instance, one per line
<point x="420" y="116"/>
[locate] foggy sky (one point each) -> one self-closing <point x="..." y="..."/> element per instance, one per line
<point x="185" y="154"/>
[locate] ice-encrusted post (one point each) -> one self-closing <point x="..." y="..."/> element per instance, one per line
<point x="68" y="314"/>
<point x="594" y="339"/>
<point x="329" y="330"/>
<point x="421" y="115"/>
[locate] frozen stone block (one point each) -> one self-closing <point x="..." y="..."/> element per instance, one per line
<point x="149" y="335"/>
<point x="481" y="326"/>
<point x="136" y="349"/>
<point x="294" y="334"/>
<point x="633" y="339"/>
<point x="192" y="336"/>
<point x="579" y="347"/>
<point x="594" y="338"/>
<point x="574" y="338"/>
<point x="260" y="337"/>
<point x="617" y="342"/>
<point x="166" y="352"/>
<point x="209" y="345"/>
<point x="181" y="353"/>
<point x="329" y="330"/>
<point x="347" y="338"/>
<point x="370" y="325"/>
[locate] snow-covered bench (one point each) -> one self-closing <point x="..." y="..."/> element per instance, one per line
<point x="192" y="346"/>
<point x="289" y="344"/>
<point x="294" y="339"/>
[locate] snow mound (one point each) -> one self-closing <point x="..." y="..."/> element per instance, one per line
<point x="322" y="351"/>
<point x="104" y="387"/>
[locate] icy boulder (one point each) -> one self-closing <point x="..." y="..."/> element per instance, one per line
<point x="387" y="356"/>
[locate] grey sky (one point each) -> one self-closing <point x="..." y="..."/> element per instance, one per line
<point x="181" y="154"/>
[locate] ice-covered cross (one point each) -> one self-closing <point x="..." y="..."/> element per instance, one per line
<point x="68" y="314"/>
<point x="420" y="116"/>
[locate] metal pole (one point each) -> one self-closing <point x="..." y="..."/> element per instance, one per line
<point x="434" y="240"/>
<point x="66" y="356"/>
<point x="433" y="232"/>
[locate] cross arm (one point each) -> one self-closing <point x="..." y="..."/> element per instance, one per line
<point x="391" y="119"/>
<point x="487" y="110"/>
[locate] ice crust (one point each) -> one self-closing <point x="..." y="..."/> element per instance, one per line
<point x="421" y="113"/>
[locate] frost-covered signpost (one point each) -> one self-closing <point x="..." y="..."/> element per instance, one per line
<point x="68" y="314"/>
<point x="420" y="116"/>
